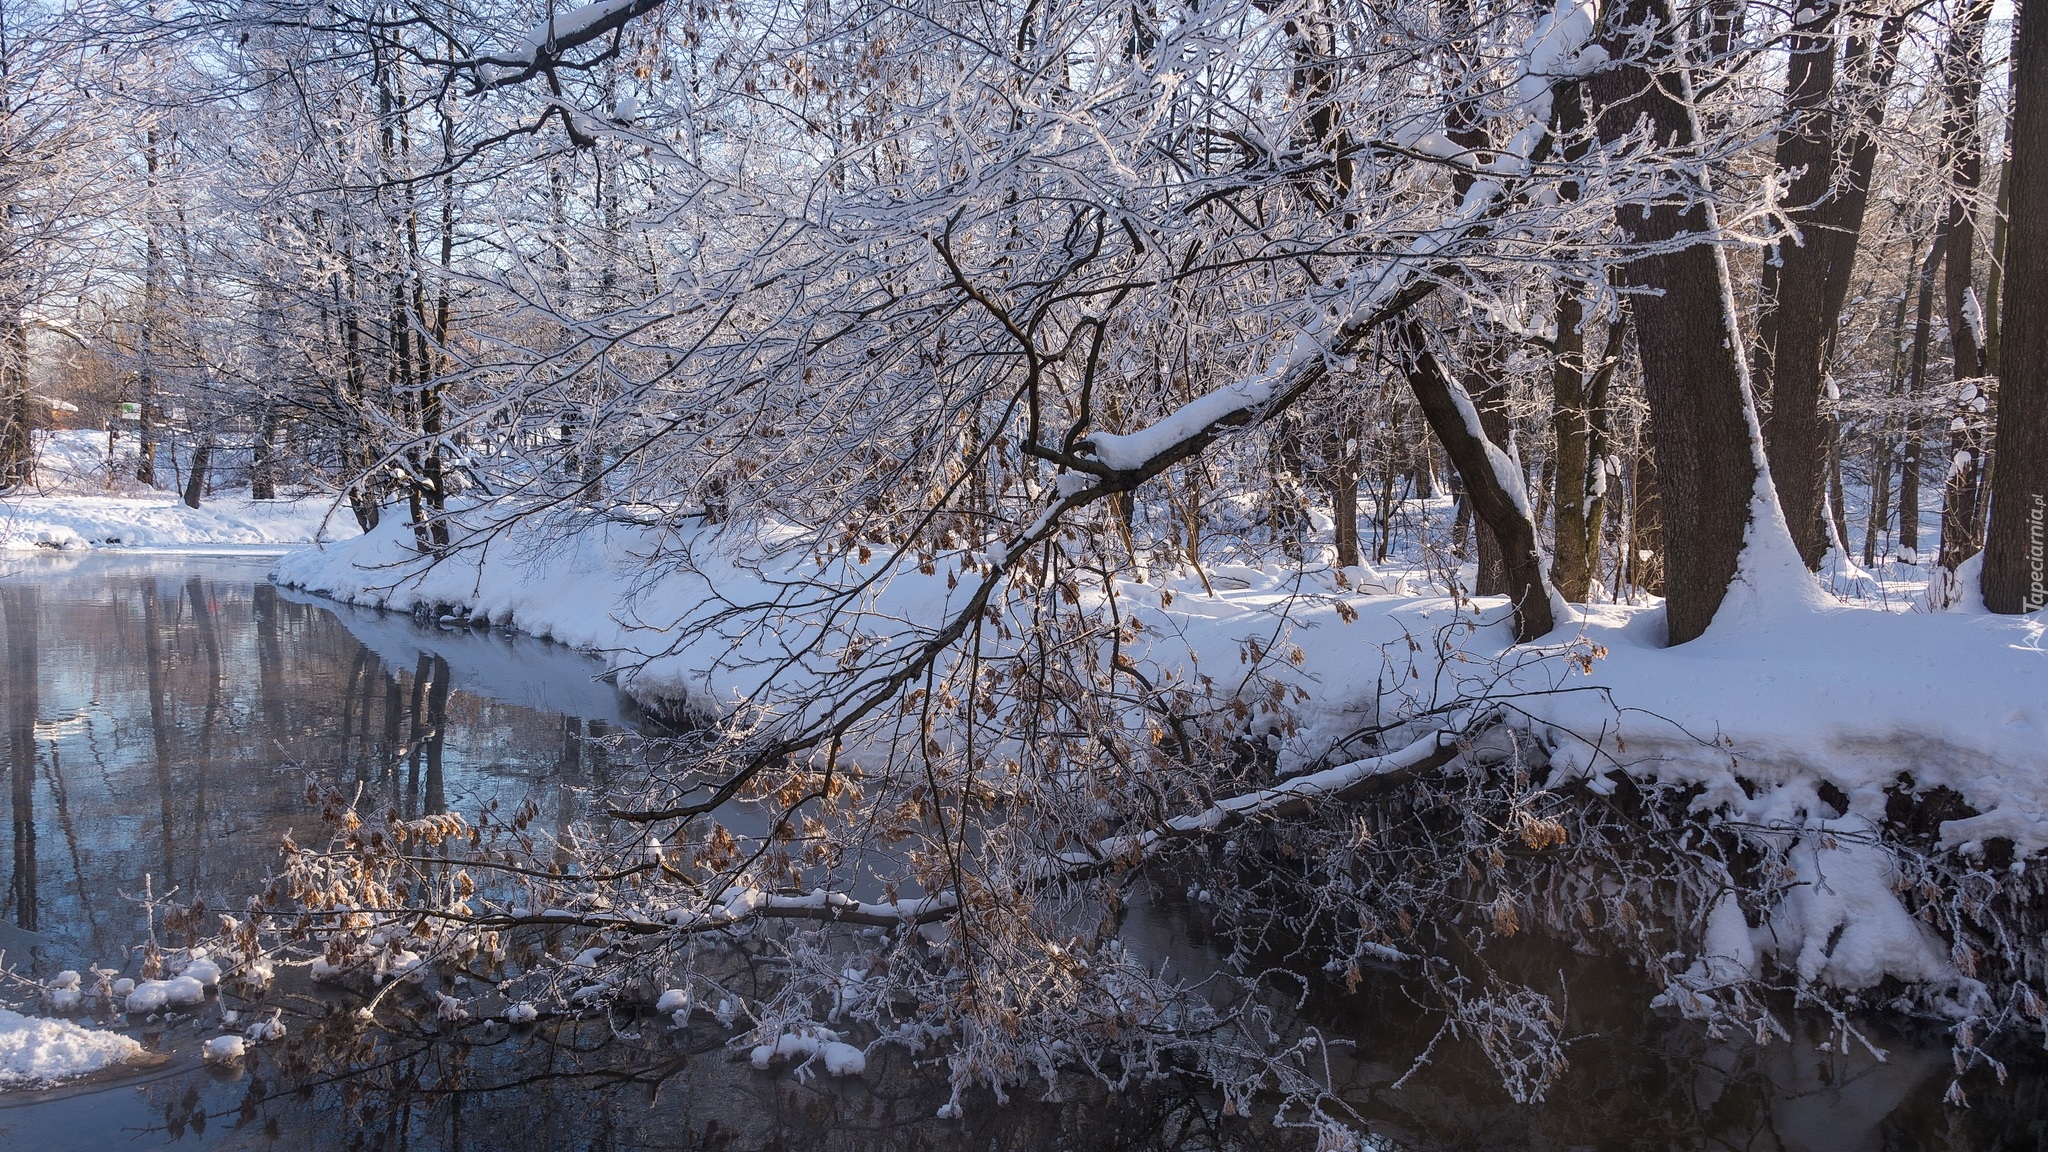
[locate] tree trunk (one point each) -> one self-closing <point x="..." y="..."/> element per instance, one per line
<point x="1880" y="495"/>
<point x="1344" y="480"/>
<point x="19" y="608"/>
<point x="1461" y="519"/>
<point x="263" y="460"/>
<point x="1962" y="68"/>
<point x="1643" y="567"/>
<point x="1842" y="219"/>
<point x="1881" y="460"/>
<point x="1489" y="395"/>
<point x="1701" y="417"/>
<point x="1792" y="322"/>
<point x="17" y="411"/>
<point x="195" y="483"/>
<point x="1838" y="517"/>
<point x="2016" y="548"/>
<point x="1916" y="387"/>
<point x="1492" y="484"/>
<point x="1287" y="504"/>
<point x="1578" y="418"/>
<point x="152" y="278"/>
<point x="1568" y="425"/>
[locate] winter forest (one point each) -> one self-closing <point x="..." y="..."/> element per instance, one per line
<point x="1119" y="532"/>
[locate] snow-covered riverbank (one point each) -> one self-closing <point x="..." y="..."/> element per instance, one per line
<point x="84" y="497"/>
<point x="1848" y="697"/>
<point x="1810" y="720"/>
<point x="162" y="521"/>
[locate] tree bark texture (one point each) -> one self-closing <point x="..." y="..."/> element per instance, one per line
<point x="1962" y="70"/>
<point x="17" y="408"/>
<point x="2016" y="551"/>
<point x="1792" y="322"/>
<point x="1700" y="414"/>
<point x="1916" y="387"/>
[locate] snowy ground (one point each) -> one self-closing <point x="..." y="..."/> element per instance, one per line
<point x="1771" y="713"/>
<point x="72" y="508"/>
<point x="36" y="1050"/>
<point x="162" y="521"/>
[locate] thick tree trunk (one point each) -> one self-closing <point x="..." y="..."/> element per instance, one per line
<point x="1873" y="59"/>
<point x="1962" y="68"/>
<point x="1492" y="484"/>
<point x="2016" y="549"/>
<point x="1792" y="322"/>
<point x="1701" y="419"/>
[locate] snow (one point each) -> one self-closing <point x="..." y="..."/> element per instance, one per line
<point x="35" y="1051"/>
<point x="79" y="503"/>
<point x="224" y="1049"/>
<point x="266" y="1031"/>
<point x="64" y="993"/>
<point x="521" y="1013"/>
<point x="812" y="1043"/>
<point x="495" y="663"/>
<point x="202" y="969"/>
<point x="1728" y="957"/>
<point x="156" y="995"/>
<point x="564" y="26"/>
<point x="162" y="521"/>
<point x="1132" y="450"/>
<point x="1842" y="923"/>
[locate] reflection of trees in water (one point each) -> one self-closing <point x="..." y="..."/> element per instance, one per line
<point x="1643" y="1081"/>
<point x="192" y="708"/>
<point x="18" y="603"/>
<point x="1637" y="1082"/>
<point x="580" y="1086"/>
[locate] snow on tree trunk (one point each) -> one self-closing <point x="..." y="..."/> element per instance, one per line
<point x="1962" y="68"/>
<point x="1493" y="484"/>
<point x="1721" y="516"/>
<point x="1792" y="320"/>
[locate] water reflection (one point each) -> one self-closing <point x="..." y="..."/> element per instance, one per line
<point x="164" y="713"/>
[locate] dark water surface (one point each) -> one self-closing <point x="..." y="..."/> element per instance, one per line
<point x="164" y="712"/>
